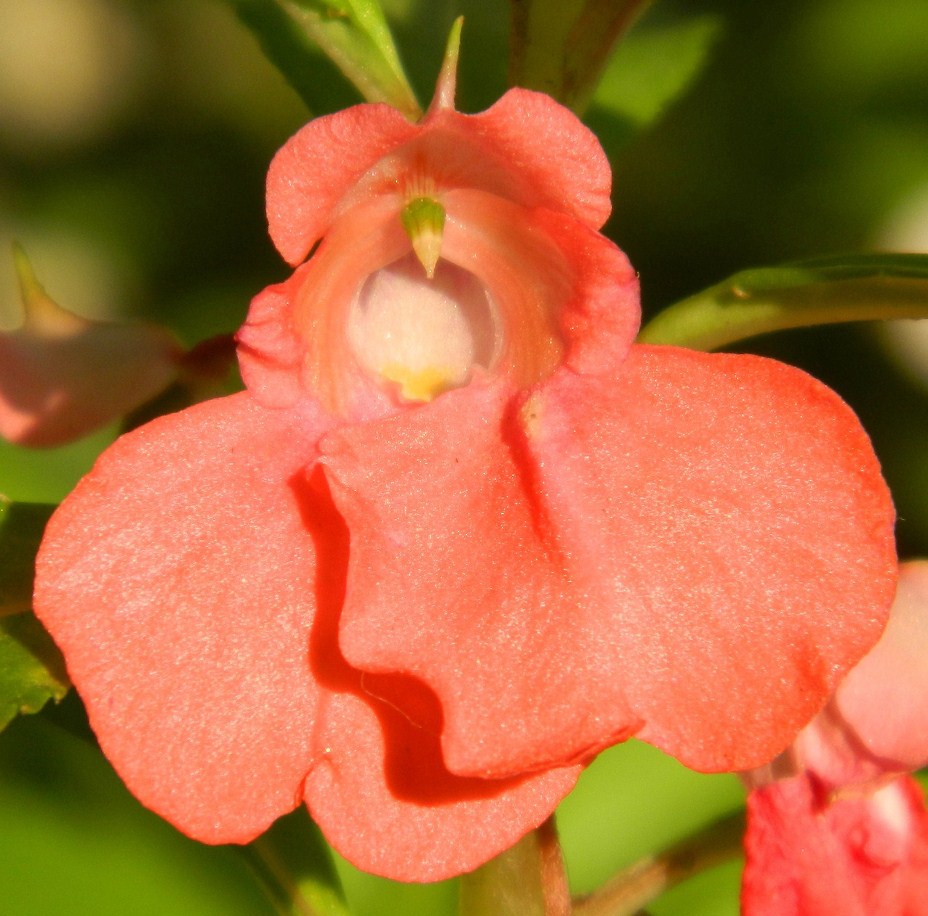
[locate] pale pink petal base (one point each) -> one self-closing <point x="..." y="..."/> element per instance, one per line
<point x="884" y="700"/>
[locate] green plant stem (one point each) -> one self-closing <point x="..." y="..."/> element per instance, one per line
<point x="526" y="880"/>
<point x="562" y="46"/>
<point x="352" y="34"/>
<point x="826" y="291"/>
<point x="643" y="882"/>
<point x="294" y="866"/>
<point x="554" y="886"/>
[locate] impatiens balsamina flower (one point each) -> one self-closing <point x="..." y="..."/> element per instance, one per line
<point x="63" y="376"/>
<point x="844" y="828"/>
<point x="459" y="534"/>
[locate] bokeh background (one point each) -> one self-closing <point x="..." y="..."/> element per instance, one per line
<point x="134" y="137"/>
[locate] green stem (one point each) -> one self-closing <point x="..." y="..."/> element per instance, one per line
<point x="526" y="880"/>
<point x="554" y="886"/>
<point x="562" y="46"/>
<point x="353" y="35"/>
<point x="294" y="866"/>
<point x="825" y="291"/>
<point x="643" y="882"/>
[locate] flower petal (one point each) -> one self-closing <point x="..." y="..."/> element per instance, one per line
<point x="416" y="821"/>
<point x="379" y="787"/>
<point x="661" y="549"/>
<point x="174" y="579"/>
<point x="322" y="162"/>
<point x="726" y="518"/>
<point x="454" y="579"/>
<point x="857" y="856"/>
<point x="63" y="376"/>
<point x="296" y="343"/>
<point x="270" y="351"/>
<point x="548" y="274"/>
<point x="894" y="676"/>
<point x="195" y="581"/>
<point x="320" y="171"/>
<point x="559" y="158"/>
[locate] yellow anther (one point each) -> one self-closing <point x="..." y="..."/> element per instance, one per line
<point x="418" y="384"/>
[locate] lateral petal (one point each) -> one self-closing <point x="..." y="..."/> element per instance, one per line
<point x="417" y="821"/>
<point x="379" y="787"/>
<point x="319" y="165"/>
<point x="726" y="517"/>
<point x="177" y="581"/>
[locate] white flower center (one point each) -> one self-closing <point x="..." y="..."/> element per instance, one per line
<point x="424" y="334"/>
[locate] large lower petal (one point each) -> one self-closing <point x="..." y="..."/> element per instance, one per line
<point x="663" y="552"/>
<point x="379" y="786"/>
<point x="417" y="821"/>
<point x="455" y="578"/>
<point x="177" y="579"/>
<point x="195" y="581"/>
<point x="727" y="521"/>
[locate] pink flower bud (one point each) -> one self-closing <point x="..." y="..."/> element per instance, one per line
<point x="62" y="376"/>
<point x="847" y="830"/>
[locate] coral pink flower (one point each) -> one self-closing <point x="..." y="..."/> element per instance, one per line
<point x="62" y="376"/>
<point x="459" y="534"/>
<point x="844" y="831"/>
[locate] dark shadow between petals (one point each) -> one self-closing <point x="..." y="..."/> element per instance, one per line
<point x="408" y="711"/>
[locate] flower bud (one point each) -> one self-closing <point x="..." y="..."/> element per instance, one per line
<point x="63" y="376"/>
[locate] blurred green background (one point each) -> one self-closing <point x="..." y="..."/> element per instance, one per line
<point x="134" y="137"/>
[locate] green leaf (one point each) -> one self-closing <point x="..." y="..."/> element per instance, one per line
<point x="21" y="528"/>
<point x="31" y="667"/>
<point x="868" y="287"/>
<point x="353" y="34"/>
<point x="562" y="46"/>
<point x="654" y="66"/>
<point x="294" y="864"/>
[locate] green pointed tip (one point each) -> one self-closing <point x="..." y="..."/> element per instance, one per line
<point x="443" y="100"/>
<point x="40" y="313"/>
<point x="423" y="219"/>
<point x="29" y="287"/>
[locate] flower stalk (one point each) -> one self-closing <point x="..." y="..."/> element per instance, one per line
<point x="644" y="881"/>
<point x="805" y="294"/>
<point x="527" y="880"/>
<point x="294" y="867"/>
